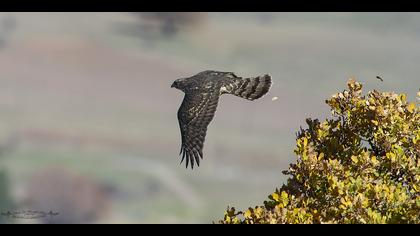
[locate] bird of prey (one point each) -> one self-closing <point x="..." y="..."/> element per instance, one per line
<point x="202" y="92"/>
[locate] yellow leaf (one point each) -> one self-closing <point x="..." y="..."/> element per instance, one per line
<point x="284" y="196"/>
<point x="321" y="156"/>
<point x="374" y="160"/>
<point x="305" y="142"/>
<point x="354" y="159"/>
<point x="276" y="197"/>
<point x="247" y="214"/>
<point x="375" y="122"/>
<point x="402" y="97"/>
<point x="350" y="82"/>
<point x="345" y="203"/>
<point x="411" y="107"/>
<point x="258" y="212"/>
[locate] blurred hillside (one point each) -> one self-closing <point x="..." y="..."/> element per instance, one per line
<point x="90" y="93"/>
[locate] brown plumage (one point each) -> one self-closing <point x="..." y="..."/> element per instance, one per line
<point x="202" y="92"/>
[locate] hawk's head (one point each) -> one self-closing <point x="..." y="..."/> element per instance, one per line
<point x="179" y="84"/>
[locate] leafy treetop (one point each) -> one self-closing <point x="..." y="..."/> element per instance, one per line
<point x="360" y="166"/>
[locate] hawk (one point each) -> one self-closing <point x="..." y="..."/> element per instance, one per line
<point x="202" y="92"/>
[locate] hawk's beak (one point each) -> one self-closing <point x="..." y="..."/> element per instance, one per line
<point x="174" y="84"/>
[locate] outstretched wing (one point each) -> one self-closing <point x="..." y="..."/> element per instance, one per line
<point x="196" y="112"/>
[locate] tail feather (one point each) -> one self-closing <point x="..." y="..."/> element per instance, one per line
<point x="250" y="88"/>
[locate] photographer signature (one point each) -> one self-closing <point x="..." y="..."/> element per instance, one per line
<point x="28" y="214"/>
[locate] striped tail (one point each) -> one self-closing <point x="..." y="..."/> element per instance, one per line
<point x="250" y="88"/>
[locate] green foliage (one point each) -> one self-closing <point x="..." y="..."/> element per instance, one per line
<point x="360" y="166"/>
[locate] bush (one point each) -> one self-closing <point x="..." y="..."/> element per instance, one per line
<point x="78" y="199"/>
<point x="360" y="166"/>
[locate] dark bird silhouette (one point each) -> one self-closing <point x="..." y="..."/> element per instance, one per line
<point x="202" y="92"/>
<point x="379" y="78"/>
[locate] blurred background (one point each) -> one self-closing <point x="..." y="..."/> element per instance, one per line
<point x="88" y="123"/>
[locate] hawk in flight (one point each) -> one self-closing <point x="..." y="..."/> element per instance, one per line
<point x="202" y="92"/>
